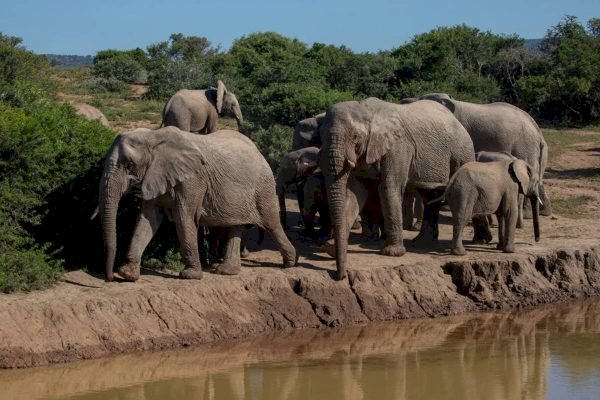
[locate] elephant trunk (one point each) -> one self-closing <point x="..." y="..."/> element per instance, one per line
<point x="337" y="181"/>
<point x="110" y="195"/>
<point x="238" y="117"/>
<point x="535" y="212"/>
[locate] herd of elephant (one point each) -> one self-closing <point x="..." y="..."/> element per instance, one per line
<point x="367" y="160"/>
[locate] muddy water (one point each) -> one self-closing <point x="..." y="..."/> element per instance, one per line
<point x="551" y="352"/>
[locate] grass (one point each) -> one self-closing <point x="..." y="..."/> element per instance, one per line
<point x="121" y="107"/>
<point x="560" y="141"/>
<point x="572" y="207"/>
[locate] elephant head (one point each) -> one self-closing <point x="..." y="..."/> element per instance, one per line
<point x="306" y="132"/>
<point x="524" y="175"/>
<point x="157" y="160"/>
<point x="295" y="165"/>
<point x="227" y="104"/>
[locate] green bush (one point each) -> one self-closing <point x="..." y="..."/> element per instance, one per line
<point x="273" y="142"/>
<point x="168" y="78"/>
<point x="106" y="85"/>
<point x="126" y="66"/>
<point x="49" y="169"/>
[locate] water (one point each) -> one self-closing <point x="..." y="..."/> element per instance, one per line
<point x="548" y="353"/>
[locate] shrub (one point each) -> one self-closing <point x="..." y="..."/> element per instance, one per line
<point x="273" y="142"/>
<point x="49" y="170"/>
<point x="169" y="77"/>
<point x="126" y="66"/>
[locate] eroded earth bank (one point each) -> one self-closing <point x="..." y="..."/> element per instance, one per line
<point x="85" y="317"/>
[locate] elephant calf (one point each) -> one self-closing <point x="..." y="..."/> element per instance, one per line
<point x="479" y="189"/>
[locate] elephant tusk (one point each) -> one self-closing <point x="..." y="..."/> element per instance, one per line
<point x="95" y="213"/>
<point x="540" y="201"/>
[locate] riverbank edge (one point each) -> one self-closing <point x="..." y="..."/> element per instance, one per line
<point x="86" y="318"/>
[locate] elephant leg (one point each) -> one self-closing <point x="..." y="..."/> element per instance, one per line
<point x="231" y="256"/>
<point x="390" y="195"/>
<point x="429" y="228"/>
<point x="300" y="194"/>
<point x="546" y="208"/>
<point x="408" y="206"/>
<point x="520" y="216"/>
<point x="203" y="248"/>
<point x="418" y="212"/>
<point x="510" y="223"/>
<point x="501" y="231"/>
<point x="187" y="232"/>
<point x="482" y="233"/>
<point x="244" y="252"/>
<point x="458" y="227"/>
<point x="145" y="228"/>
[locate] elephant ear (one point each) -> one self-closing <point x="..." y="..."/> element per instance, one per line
<point x="381" y="135"/>
<point x="448" y="103"/>
<point x="520" y="172"/>
<point x="174" y="158"/>
<point x="221" y="89"/>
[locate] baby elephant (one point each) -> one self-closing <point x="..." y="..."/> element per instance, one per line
<point x="478" y="189"/>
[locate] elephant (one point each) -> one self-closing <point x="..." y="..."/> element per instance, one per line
<point x="293" y="168"/>
<point x="484" y="188"/>
<point x="419" y="144"/>
<point x="306" y="133"/>
<point x="90" y="112"/>
<point x="501" y="127"/>
<point x="198" y="110"/>
<point x="315" y="201"/>
<point x="197" y="180"/>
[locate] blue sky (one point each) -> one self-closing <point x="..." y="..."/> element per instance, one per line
<point x="83" y="26"/>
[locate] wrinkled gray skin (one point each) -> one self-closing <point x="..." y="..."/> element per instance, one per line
<point x="306" y="133"/>
<point x="197" y="180"/>
<point x="419" y="143"/>
<point x="294" y="166"/>
<point x="197" y="111"/>
<point x="90" y="112"/>
<point x="479" y="189"/>
<point x="491" y="156"/>
<point x="501" y="127"/>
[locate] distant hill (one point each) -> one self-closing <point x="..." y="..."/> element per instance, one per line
<point x="533" y="45"/>
<point x="70" y="60"/>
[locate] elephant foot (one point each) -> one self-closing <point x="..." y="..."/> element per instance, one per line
<point x="519" y="224"/>
<point x="130" y="272"/>
<point x="228" y="269"/>
<point x="416" y="227"/>
<point x="291" y="262"/>
<point x="482" y="236"/>
<point x="508" y="249"/>
<point x="340" y="276"/>
<point x="329" y="247"/>
<point x="191" y="273"/>
<point x="458" y="251"/>
<point x="393" y="250"/>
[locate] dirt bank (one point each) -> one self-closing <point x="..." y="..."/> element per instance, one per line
<point x="84" y="317"/>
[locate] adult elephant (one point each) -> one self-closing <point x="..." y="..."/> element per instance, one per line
<point x="197" y="111"/>
<point x="420" y="144"/>
<point x="499" y="127"/>
<point x="293" y="168"/>
<point x="198" y="180"/>
<point x="306" y="133"/>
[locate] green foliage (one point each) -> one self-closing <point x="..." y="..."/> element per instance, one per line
<point x="564" y="90"/>
<point x="168" y="78"/>
<point x="127" y="66"/>
<point x="45" y="155"/>
<point x="24" y="77"/>
<point x="273" y="142"/>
